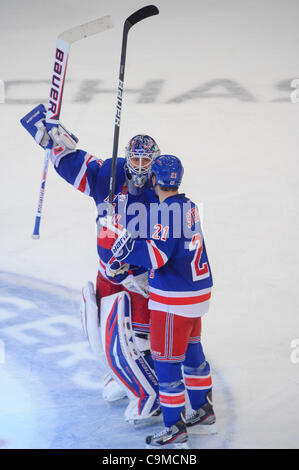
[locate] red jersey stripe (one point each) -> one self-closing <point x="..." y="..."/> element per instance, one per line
<point x="180" y="300"/>
<point x="157" y="254"/>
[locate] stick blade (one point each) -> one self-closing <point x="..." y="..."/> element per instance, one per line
<point x="141" y="14"/>
<point x="87" y="29"/>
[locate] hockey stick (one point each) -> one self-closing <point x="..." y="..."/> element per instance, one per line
<point x="137" y="16"/>
<point x="63" y="45"/>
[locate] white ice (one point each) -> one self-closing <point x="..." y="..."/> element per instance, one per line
<point x="224" y="107"/>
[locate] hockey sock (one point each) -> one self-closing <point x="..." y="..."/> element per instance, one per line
<point x="171" y="391"/>
<point x="197" y="375"/>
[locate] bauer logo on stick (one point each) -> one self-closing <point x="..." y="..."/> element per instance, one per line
<point x="55" y="91"/>
<point x="119" y="102"/>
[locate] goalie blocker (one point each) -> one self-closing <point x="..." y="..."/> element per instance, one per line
<point x="124" y="351"/>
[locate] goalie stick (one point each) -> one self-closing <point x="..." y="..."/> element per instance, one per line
<point x="63" y="45"/>
<point x="137" y="16"/>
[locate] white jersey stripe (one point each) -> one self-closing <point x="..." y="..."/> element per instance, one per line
<point x="87" y="159"/>
<point x="157" y="257"/>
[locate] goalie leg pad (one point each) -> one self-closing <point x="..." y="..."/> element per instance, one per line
<point x="90" y="320"/>
<point x="112" y="392"/>
<point x="127" y="363"/>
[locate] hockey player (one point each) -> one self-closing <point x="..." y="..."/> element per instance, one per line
<point x="91" y="175"/>
<point x="180" y="283"/>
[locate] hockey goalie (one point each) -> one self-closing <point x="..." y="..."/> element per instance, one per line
<point x="115" y="314"/>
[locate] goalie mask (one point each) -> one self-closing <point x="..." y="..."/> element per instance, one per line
<point x="140" y="153"/>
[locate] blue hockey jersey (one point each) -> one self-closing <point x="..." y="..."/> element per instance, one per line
<point x="180" y="276"/>
<point x="91" y="176"/>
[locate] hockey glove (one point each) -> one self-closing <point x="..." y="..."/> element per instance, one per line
<point x="137" y="281"/>
<point x="117" y="271"/>
<point x="58" y="138"/>
<point x="133" y="278"/>
<point x="124" y="243"/>
<point x="63" y="143"/>
<point x="137" y="278"/>
<point x="34" y="123"/>
<point x="123" y="246"/>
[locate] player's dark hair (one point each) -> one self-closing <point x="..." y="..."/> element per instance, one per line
<point x="169" y="188"/>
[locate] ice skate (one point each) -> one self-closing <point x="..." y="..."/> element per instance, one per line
<point x="202" y="421"/>
<point x="173" y="437"/>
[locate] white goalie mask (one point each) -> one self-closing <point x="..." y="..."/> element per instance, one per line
<point x="140" y="153"/>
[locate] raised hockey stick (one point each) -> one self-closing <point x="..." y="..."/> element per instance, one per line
<point x="137" y="16"/>
<point x="63" y="45"/>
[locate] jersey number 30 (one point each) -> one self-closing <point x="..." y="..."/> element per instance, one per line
<point x="198" y="272"/>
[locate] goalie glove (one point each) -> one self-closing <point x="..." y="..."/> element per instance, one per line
<point x="133" y="278"/>
<point x="117" y="271"/>
<point x="137" y="283"/>
<point x="59" y="139"/>
<point x="63" y="143"/>
<point x="34" y="123"/>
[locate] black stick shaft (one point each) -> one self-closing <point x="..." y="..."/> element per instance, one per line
<point x="118" y="114"/>
<point x="139" y="15"/>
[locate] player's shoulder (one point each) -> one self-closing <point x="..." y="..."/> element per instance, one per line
<point x="104" y="166"/>
<point x="180" y="199"/>
<point x="184" y="210"/>
<point x="185" y="202"/>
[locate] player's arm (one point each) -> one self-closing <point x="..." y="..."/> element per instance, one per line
<point x="149" y="253"/>
<point x="146" y="253"/>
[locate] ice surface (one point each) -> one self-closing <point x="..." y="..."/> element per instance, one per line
<point x="211" y="82"/>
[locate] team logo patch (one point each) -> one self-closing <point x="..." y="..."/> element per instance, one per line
<point x="58" y="150"/>
<point x="124" y="189"/>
